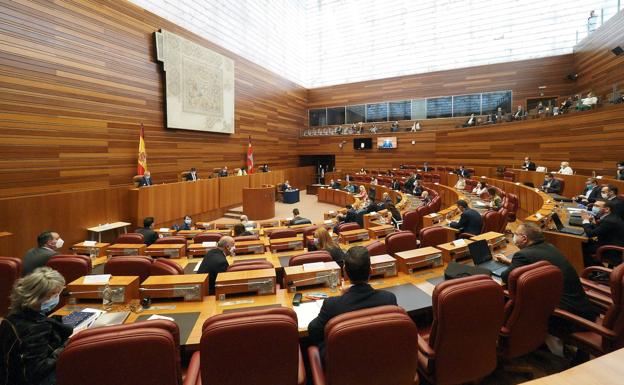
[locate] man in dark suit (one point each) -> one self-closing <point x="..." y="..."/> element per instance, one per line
<point x="149" y="235"/>
<point x="529" y="238"/>
<point x="470" y="220"/>
<point x="298" y="219"/>
<point x="224" y="171"/>
<point x="426" y="167"/>
<point x="48" y="244"/>
<point x="608" y="229"/>
<point x="528" y="165"/>
<point x="408" y="186"/>
<point x="610" y="193"/>
<point x="192" y="175"/>
<point x="590" y="193"/>
<point x="335" y="184"/>
<point x="146" y="180"/>
<point x="395" y="185"/>
<point x="215" y="261"/>
<point x="359" y="296"/>
<point x="551" y="185"/>
<point x="461" y="171"/>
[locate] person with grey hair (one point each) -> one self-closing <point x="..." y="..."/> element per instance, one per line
<point x="48" y="244"/>
<point x="30" y="341"/>
<point x="246" y="222"/>
<point x="215" y="261"/>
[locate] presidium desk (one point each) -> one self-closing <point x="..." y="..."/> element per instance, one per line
<point x="259" y="202"/>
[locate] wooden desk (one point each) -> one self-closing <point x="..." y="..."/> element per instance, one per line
<point x="451" y="252"/>
<point x="80" y="290"/>
<point x="573" y="184"/>
<point x="97" y="250"/>
<point x="279" y="244"/>
<point x="192" y="287"/>
<point x="261" y="281"/>
<point x="246" y="247"/>
<point x="413" y="259"/>
<point x="495" y="240"/>
<point x="198" y="249"/>
<point x="169" y="250"/>
<point x="190" y="234"/>
<point x="98" y="230"/>
<point x="126" y="249"/>
<point x="259" y="203"/>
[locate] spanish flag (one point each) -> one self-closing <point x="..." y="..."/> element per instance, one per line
<point x="142" y="165"/>
<point x="250" y="163"/>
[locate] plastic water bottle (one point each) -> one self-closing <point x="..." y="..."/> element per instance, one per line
<point x="107" y="297"/>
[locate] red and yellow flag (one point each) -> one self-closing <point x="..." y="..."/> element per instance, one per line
<point x="142" y="164"/>
<point x="250" y="162"/>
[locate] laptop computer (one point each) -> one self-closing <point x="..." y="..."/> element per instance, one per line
<point x="482" y="257"/>
<point x="565" y="230"/>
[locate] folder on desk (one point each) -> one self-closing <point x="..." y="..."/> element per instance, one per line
<point x="261" y="281"/>
<point x="354" y="236"/>
<point x="410" y="260"/>
<point x="383" y="265"/>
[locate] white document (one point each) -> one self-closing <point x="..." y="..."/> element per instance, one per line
<point x="163" y="229"/>
<point x="328" y="222"/>
<point x="459" y="242"/>
<point x="197" y="267"/>
<point x="538" y="216"/>
<point x="89" y="243"/>
<point x="209" y="244"/>
<point x="156" y="316"/>
<point x="306" y="312"/>
<point x="96" y="279"/>
<point x="313" y="266"/>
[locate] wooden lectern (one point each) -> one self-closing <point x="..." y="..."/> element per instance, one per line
<point x="259" y="203"/>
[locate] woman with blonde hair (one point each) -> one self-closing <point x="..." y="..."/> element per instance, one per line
<point x="30" y="341"/>
<point x="324" y="241"/>
<point x="362" y="195"/>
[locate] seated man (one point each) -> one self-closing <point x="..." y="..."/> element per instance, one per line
<point x="610" y="193"/>
<point x="335" y="184"/>
<point x="395" y="185"/>
<point x="588" y="102"/>
<point x="146" y="180"/>
<point x="298" y="219"/>
<point x="519" y="113"/>
<point x="349" y="187"/>
<point x="529" y="238"/>
<point x="359" y="296"/>
<point x="48" y="245"/>
<point x="215" y="261"/>
<point x="608" y="230"/>
<point x="461" y="171"/>
<point x="590" y="193"/>
<point x="240" y="230"/>
<point x="551" y="185"/>
<point x="471" y="121"/>
<point x="192" y="175"/>
<point x="149" y="235"/>
<point x="470" y="220"/>
<point x="246" y="222"/>
<point x="286" y="186"/>
<point x="528" y="165"/>
<point x="224" y="171"/>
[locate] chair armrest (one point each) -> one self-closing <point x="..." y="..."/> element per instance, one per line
<point x="316" y="367"/>
<point x="592" y="326"/>
<point x="301" y="375"/>
<point x="193" y="376"/>
<point x="593" y="285"/>
<point x="423" y="347"/>
<point x="592" y="269"/>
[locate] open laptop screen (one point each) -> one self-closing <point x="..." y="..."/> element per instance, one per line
<point x="557" y="221"/>
<point x="480" y="252"/>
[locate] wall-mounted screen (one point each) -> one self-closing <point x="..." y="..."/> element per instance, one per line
<point x="440" y="107"/>
<point x="356" y="114"/>
<point x="492" y="100"/>
<point x="464" y="105"/>
<point x="400" y="110"/>
<point x="362" y="143"/>
<point x="318" y="117"/>
<point x="387" y="142"/>
<point x="419" y="109"/>
<point x="377" y="112"/>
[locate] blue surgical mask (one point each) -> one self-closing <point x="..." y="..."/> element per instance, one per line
<point x="596" y="210"/>
<point x="49" y="304"/>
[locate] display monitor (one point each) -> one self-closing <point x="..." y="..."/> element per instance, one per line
<point x="387" y="142"/>
<point x="363" y="143"/>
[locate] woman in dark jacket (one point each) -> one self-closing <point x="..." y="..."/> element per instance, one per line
<point x="324" y="241"/>
<point x="31" y="342"/>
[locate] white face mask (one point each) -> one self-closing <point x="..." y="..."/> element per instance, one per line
<point x="59" y="243"/>
<point x="604" y="195"/>
<point x="188" y="221"/>
<point x="233" y="250"/>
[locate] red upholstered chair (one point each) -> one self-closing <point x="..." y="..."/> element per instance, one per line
<point x="599" y="292"/>
<point x="163" y="266"/>
<point x="412" y="220"/>
<point x="432" y="236"/>
<point x="512" y="207"/>
<point x="368" y="332"/>
<point x="130" y="265"/>
<point x="467" y="317"/>
<point x="284" y="233"/>
<point x="606" y="334"/>
<point x="130" y="238"/>
<point x="436" y="204"/>
<point x="256" y="265"/>
<point x="208" y="237"/>
<point x="504" y="219"/>
<point x="400" y="241"/>
<point x="534" y="291"/>
<point x="310" y="257"/>
<point x="308" y="231"/>
<point x="491" y="221"/>
<point x="348" y="226"/>
<point x="509" y="175"/>
<point x="71" y="267"/>
<point x="562" y="185"/>
<point x="10" y="271"/>
<point x="175" y="240"/>
<point x="138" y="353"/>
<point x="228" y="356"/>
<point x="376" y="248"/>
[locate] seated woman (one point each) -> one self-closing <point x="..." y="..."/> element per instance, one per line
<point x="362" y="195"/>
<point x="393" y="216"/>
<point x="324" y="241"/>
<point x="424" y="198"/>
<point x="480" y="188"/>
<point x="361" y="172"/>
<point x="240" y="230"/>
<point x="418" y="188"/>
<point x="496" y="202"/>
<point x="461" y="183"/>
<point x="31" y="342"/>
<point x="374" y="181"/>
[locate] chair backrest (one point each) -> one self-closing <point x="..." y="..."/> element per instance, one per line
<point x="258" y="265"/>
<point x="270" y="357"/>
<point x="614" y="317"/>
<point x="130" y="238"/>
<point x="137" y="353"/>
<point x="130" y="265"/>
<point x="504" y="219"/>
<point x="562" y="184"/>
<point x="310" y="257"/>
<point x="163" y="266"/>
<point x="436" y="204"/>
<point x="432" y="236"/>
<point x="467" y="316"/>
<point x="534" y="291"/>
<point x="412" y="221"/>
<point x="400" y="241"/>
<point x="208" y="237"/>
<point x="509" y="175"/>
<point x="348" y="226"/>
<point x="283" y="233"/>
<point x="368" y="332"/>
<point x="10" y="271"/>
<point x="175" y="240"/>
<point x="71" y="267"/>
<point x="376" y="248"/>
<point x="309" y="231"/>
<point x="491" y="221"/>
<point x="242" y="238"/>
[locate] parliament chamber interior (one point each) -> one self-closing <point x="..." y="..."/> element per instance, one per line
<point x="311" y="192"/>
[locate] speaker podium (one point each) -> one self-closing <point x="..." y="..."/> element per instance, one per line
<point x="259" y="202"/>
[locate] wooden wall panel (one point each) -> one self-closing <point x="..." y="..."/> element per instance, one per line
<point x="77" y="77"/>
<point x="598" y="68"/>
<point x="264" y="178"/>
<point x="231" y="190"/>
<point x="522" y="77"/>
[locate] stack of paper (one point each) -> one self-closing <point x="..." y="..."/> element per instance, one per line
<point x="306" y="312"/>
